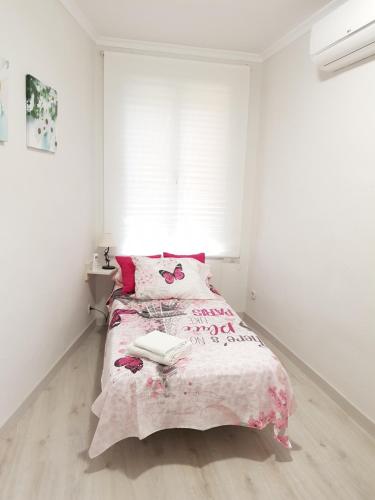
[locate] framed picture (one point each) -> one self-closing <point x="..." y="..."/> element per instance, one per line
<point x="4" y="70"/>
<point x="41" y="115"/>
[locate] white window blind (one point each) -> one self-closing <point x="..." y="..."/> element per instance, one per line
<point x="175" y="134"/>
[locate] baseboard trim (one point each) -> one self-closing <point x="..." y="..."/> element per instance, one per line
<point x="43" y="383"/>
<point x="354" y="413"/>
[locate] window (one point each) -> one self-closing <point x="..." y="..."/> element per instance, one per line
<point x="175" y="134"/>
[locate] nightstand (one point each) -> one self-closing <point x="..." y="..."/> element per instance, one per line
<point x="100" y="272"/>
<point x="100" y="283"/>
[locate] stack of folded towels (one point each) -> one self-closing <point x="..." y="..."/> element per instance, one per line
<point x="160" y="347"/>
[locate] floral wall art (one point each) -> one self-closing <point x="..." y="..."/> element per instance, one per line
<point x="4" y="70"/>
<point x="41" y="115"/>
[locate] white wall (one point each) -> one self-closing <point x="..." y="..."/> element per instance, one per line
<point x="232" y="278"/>
<point x="46" y="200"/>
<point x="313" y="262"/>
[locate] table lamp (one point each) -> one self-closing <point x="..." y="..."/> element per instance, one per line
<point x="107" y="242"/>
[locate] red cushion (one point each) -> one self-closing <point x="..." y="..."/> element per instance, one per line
<point x="197" y="256"/>
<point x="128" y="271"/>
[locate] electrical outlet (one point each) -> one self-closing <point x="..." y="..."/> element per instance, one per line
<point x="253" y="295"/>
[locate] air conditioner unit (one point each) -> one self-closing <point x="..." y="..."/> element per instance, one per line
<point x="344" y="36"/>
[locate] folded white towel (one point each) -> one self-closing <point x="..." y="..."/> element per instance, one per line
<point x="160" y="347"/>
<point x="158" y="342"/>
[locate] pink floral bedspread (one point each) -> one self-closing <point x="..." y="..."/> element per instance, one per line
<point x="229" y="378"/>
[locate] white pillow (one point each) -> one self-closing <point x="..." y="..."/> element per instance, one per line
<point x="167" y="278"/>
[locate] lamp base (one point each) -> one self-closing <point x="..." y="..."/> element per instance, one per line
<point x="108" y="267"/>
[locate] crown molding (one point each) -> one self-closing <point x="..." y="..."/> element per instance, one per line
<point x="73" y="9"/>
<point x="187" y="51"/>
<point x="183" y="51"/>
<point x="299" y="30"/>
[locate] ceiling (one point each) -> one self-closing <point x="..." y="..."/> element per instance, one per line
<point x="244" y="25"/>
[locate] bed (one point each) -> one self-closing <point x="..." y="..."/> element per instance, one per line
<point x="229" y="378"/>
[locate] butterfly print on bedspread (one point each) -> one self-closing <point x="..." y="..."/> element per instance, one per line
<point x="130" y="363"/>
<point x="116" y="316"/>
<point x="171" y="277"/>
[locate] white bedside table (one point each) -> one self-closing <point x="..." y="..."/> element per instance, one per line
<point x="100" y="272"/>
<point x="100" y="288"/>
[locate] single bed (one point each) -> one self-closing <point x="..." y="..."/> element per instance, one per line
<point x="229" y="378"/>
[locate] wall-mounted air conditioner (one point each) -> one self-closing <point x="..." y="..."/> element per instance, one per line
<point x="344" y="36"/>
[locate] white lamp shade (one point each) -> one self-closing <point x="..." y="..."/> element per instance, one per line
<point x="106" y="241"/>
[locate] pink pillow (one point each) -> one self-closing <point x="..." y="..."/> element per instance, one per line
<point x="128" y="271"/>
<point x="197" y="256"/>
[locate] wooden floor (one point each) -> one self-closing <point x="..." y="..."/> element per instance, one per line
<point x="43" y="455"/>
